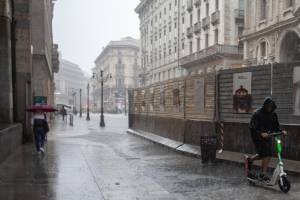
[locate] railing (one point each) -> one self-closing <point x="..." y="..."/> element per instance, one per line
<point x="210" y="51"/>
<point x="197" y="27"/>
<point x="239" y="15"/>
<point x="205" y="23"/>
<point x="215" y="18"/>
<point x="189" y="32"/>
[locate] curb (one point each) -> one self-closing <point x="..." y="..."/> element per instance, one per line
<point x="291" y="166"/>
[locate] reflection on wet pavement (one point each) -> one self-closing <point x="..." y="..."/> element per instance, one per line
<point x="85" y="162"/>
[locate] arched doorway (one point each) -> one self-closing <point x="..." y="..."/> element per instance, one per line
<point x="290" y="48"/>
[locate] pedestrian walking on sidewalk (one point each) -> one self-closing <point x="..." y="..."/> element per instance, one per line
<point x="40" y="129"/>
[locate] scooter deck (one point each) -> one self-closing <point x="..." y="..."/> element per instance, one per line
<point x="261" y="183"/>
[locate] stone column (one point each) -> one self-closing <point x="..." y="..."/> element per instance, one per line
<point x="6" y="91"/>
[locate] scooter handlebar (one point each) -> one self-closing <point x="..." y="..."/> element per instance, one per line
<point x="275" y="134"/>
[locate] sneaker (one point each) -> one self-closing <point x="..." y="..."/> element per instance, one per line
<point x="42" y="150"/>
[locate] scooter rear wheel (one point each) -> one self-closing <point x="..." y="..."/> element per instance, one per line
<point x="284" y="184"/>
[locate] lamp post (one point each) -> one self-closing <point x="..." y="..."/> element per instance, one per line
<point x="74" y="102"/>
<point x="80" y="108"/>
<point x="100" y="79"/>
<point x="88" y="103"/>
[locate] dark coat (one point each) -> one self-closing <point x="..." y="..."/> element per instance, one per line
<point x="263" y="121"/>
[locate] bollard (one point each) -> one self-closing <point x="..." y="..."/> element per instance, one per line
<point x="71" y="119"/>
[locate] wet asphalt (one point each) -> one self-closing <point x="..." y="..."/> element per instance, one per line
<point x="86" y="162"/>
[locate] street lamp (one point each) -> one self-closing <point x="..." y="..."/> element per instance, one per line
<point x="88" y="103"/>
<point x="74" y="103"/>
<point x="101" y="79"/>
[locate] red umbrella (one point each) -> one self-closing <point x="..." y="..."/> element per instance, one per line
<point x="42" y="108"/>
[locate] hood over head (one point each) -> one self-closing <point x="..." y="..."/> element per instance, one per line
<point x="269" y="103"/>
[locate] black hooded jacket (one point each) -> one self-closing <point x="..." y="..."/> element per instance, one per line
<point x="263" y="121"/>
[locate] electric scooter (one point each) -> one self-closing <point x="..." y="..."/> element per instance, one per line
<point x="279" y="175"/>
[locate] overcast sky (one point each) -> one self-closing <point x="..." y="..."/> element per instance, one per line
<point x="83" y="27"/>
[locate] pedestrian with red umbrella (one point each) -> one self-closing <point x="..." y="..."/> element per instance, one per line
<point x="40" y="125"/>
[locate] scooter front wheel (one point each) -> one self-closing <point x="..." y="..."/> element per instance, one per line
<point x="284" y="184"/>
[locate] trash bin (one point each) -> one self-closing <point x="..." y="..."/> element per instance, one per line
<point x="208" y="146"/>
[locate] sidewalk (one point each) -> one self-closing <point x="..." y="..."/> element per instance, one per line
<point x="192" y="150"/>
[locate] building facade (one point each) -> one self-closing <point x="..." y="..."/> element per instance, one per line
<point x="43" y="48"/>
<point x="68" y="83"/>
<point x="189" y="36"/>
<point x="17" y="73"/>
<point x="272" y="31"/>
<point x="121" y="60"/>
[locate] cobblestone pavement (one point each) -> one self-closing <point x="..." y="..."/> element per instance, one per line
<point x="86" y="162"/>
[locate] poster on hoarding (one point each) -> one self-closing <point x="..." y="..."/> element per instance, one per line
<point x="40" y="100"/>
<point x="242" y="98"/>
<point x="199" y="95"/>
<point x="296" y="91"/>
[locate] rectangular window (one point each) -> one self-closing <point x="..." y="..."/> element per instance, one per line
<point x="175" y="2"/>
<point x="175" y="25"/>
<point x="182" y="47"/>
<point x="170" y="28"/>
<point x="207" y="10"/>
<point x="263" y="9"/>
<point x="206" y="40"/>
<point x="170" y="6"/>
<point x="198" y="15"/>
<point x="217" y="5"/>
<point x="191" y="47"/>
<point x="191" y="20"/>
<point x="290" y="3"/>
<point x="216" y="36"/>
<point x="198" y="44"/>
<point x="182" y="20"/>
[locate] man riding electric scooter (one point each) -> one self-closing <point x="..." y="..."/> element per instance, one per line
<point x="263" y="122"/>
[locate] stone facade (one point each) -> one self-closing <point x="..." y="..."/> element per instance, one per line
<point x="272" y="31"/>
<point x="120" y="59"/>
<point x="43" y="48"/>
<point x="23" y="52"/>
<point x="189" y="36"/>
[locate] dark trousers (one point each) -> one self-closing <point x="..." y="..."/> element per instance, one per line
<point x="39" y="138"/>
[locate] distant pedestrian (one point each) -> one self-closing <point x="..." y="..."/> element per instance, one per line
<point x="64" y="114"/>
<point x="40" y="129"/>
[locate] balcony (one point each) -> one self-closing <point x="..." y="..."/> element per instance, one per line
<point x="190" y="5"/>
<point x="189" y="32"/>
<point x="197" y="3"/>
<point x="215" y="18"/>
<point x="197" y="28"/>
<point x="205" y="23"/>
<point x="211" y="54"/>
<point x="239" y="16"/>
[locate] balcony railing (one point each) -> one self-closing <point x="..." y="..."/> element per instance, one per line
<point x="239" y="15"/>
<point x="197" y="28"/>
<point x="190" y="5"/>
<point x="197" y="3"/>
<point x="189" y="32"/>
<point x="216" y="51"/>
<point x="215" y="18"/>
<point x="205" y="23"/>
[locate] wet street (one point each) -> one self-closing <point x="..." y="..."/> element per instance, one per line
<point x="85" y="162"/>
